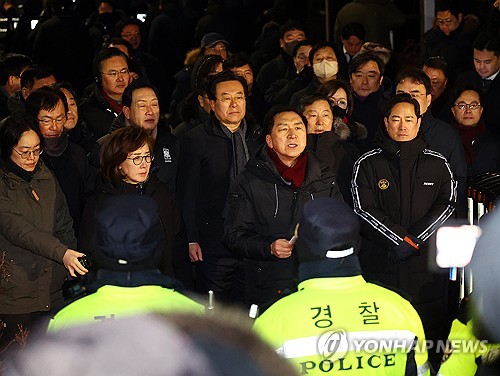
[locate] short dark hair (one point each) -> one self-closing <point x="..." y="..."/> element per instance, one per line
<point x="308" y="100"/>
<point x="45" y="98"/>
<point x="487" y="42"/>
<point x="352" y="28"/>
<point x="13" y="65"/>
<point x="330" y="87"/>
<point x="453" y="6"/>
<point x="204" y="67"/>
<point x="459" y="90"/>
<point x="268" y="123"/>
<point x="13" y="129"/>
<point x="319" y="46"/>
<point x="437" y="62"/>
<point x="65" y="85"/>
<point x="289" y="26"/>
<point x="118" y="42"/>
<point x="416" y="76"/>
<point x="402" y="98"/>
<point x="122" y="23"/>
<point x="362" y="59"/>
<point x="236" y="61"/>
<point x="34" y="73"/>
<point x="102" y="56"/>
<point x="300" y="44"/>
<point x="139" y="83"/>
<point x="116" y="147"/>
<point x="224" y="76"/>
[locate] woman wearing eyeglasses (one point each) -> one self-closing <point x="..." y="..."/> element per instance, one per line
<point x="341" y="100"/>
<point x="36" y="234"/>
<point x="482" y="148"/>
<point x="126" y="168"/>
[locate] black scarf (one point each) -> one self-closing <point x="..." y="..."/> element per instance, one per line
<point x="10" y="166"/>
<point x="54" y="147"/>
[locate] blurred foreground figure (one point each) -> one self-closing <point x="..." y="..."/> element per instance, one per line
<point x="175" y="345"/>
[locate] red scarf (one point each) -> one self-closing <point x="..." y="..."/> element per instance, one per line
<point x="296" y="174"/>
<point x="115" y="106"/>
<point x="468" y="135"/>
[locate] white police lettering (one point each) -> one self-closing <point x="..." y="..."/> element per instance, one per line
<point x="428" y="183"/>
<point x="343" y="364"/>
<point x="166" y="155"/>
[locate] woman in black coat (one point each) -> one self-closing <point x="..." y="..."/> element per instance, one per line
<point x="126" y="160"/>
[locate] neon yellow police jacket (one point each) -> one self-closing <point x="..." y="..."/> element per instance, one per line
<point x="346" y="326"/>
<point x="113" y="302"/>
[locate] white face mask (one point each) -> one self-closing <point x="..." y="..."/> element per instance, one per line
<point x="326" y="69"/>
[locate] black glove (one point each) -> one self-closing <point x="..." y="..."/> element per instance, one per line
<point x="404" y="250"/>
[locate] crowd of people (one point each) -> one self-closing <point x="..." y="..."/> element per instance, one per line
<point x="142" y="173"/>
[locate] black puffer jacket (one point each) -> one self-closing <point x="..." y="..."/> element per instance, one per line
<point x="262" y="207"/>
<point x="401" y="189"/>
<point x="175" y="258"/>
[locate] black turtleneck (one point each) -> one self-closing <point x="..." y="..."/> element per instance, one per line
<point x="10" y="166"/>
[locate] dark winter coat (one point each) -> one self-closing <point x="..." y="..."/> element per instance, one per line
<point x="370" y="112"/>
<point x="276" y="69"/>
<point x="35" y="232"/>
<point x="455" y="49"/>
<point x="262" y="207"/>
<point x="75" y="177"/>
<point x="175" y="258"/>
<point x="96" y="114"/>
<point x="444" y="139"/>
<point x="402" y="189"/>
<point x="204" y="169"/>
<point x="339" y="155"/>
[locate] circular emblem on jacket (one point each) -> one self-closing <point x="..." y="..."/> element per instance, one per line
<point x="383" y="184"/>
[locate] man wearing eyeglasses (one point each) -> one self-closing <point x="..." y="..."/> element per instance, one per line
<point x="212" y="155"/>
<point x="451" y="37"/>
<point x="482" y="148"/>
<point x="485" y="77"/>
<point x="102" y="106"/>
<point x="440" y="136"/>
<point x="64" y="158"/>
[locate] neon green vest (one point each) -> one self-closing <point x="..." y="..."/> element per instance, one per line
<point x="345" y="326"/>
<point x="462" y="350"/>
<point x="110" y="302"/>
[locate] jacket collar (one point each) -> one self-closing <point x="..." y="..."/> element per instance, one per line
<point x="333" y="283"/>
<point x="263" y="167"/>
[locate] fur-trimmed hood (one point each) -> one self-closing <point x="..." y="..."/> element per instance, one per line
<point x="352" y="130"/>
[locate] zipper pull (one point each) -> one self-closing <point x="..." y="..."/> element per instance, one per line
<point x="35" y="195"/>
